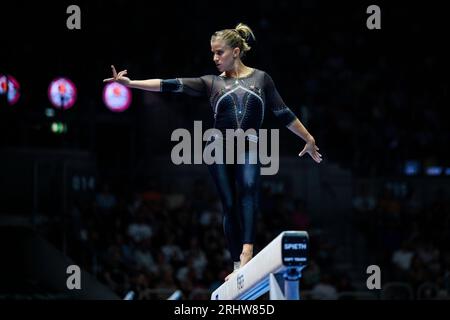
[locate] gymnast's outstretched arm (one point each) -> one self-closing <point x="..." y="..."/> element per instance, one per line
<point x="191" y="86"/>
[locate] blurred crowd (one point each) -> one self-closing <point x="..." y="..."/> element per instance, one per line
<point x="157" y="242"/>
<point x="407" y="236"/>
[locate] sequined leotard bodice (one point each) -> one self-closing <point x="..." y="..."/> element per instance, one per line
<point x="237" y="103"/>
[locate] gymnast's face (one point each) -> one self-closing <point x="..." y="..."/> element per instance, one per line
<point x="223" y="55"/>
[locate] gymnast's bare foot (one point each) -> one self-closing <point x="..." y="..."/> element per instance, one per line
<point x="246" y="256"/>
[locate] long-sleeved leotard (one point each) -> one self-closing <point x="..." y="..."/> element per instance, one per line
<point x="237" y="104"/>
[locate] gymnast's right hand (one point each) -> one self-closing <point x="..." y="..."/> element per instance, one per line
<point x="118" y="77"/>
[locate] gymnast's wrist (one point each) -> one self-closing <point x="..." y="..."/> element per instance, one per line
<point x="309" y="138"/>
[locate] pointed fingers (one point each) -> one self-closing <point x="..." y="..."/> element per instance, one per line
<point x="114" y="71"/>
<point x="316" y="157"/>
<point x="122" y="73"/>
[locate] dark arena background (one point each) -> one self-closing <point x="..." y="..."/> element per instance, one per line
<point x="94" y="188"/>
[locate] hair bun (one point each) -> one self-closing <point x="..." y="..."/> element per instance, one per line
<point x="244" y="31"/>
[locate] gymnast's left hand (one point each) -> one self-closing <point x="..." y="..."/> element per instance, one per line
<point x="312" y="150"/>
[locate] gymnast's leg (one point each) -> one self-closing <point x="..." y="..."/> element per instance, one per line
<point x="248" y="185"/>
<point x="223" y="176"/>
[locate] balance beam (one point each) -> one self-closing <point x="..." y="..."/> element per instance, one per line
<point x="287" y="254"/>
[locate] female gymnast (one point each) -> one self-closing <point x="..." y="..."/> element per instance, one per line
<point x="239" y="98"/>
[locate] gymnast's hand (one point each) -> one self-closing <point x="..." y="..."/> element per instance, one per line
<point x="311" y="148"/>
<point x="118" y="77"/>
